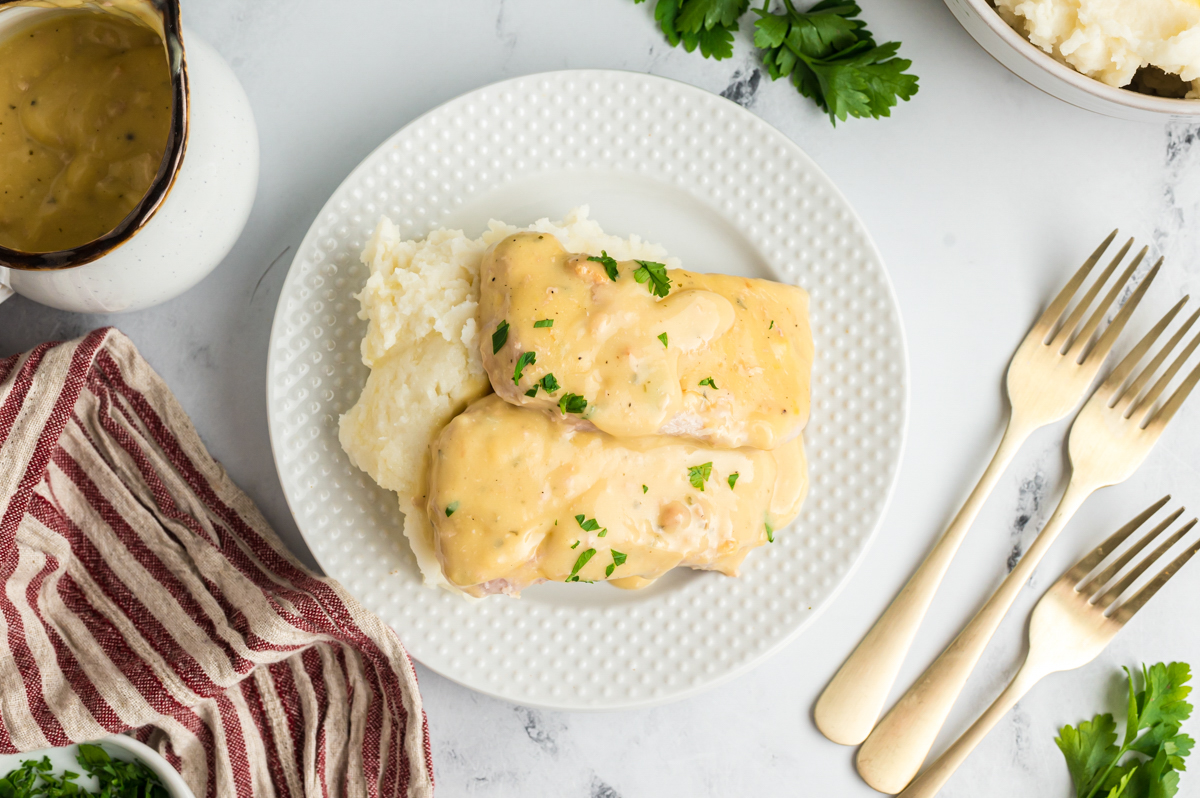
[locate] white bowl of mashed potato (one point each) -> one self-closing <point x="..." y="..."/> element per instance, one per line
<point x="1131" y="59"/>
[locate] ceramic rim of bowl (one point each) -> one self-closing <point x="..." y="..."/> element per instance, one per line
<point x="172" y="30"/>
<point x="1047" y="63"/>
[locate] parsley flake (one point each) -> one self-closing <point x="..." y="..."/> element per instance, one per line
<point x="645" y="489"/>
<point x="656" y="274"/>
<point x="609" y="264"/>
<point x="579" y="563"/>
<point x="733" y="478"/>
<point x="575" y="545"/>
<point x="499" y="337"/>
<point x="709" y="382"/>
<point x="572" y="403"/>
<point x="772" y="327"/>
<point x="451" y="508"/>
<point x="698" y="475"/>
<point x="543" y="323"/>
<point x="532" y="391"/>
<point x="770" y="532"/>
<point x="663" y="338"/>
<point x="618" y="560"/>
<point x="608" y="571"/>
<point x="549" y="383"/>
<point x="588" y="525"/>
<point x="526" y="359"/>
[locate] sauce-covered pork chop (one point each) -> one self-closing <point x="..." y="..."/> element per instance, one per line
<point x="635" y="349"/>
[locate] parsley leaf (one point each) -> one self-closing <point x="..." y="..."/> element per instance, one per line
<point x="579" y="563"/>
<point x="532" y="391"/>
<point x="663" y="338"/>
<point x="549" y="383"/>
<point x="618" y="561"/>
<point x="609" y="264"/>
<point x="542" y="323"/>
<point x="1153" y="719"/>
<point x="833" y="60"/>
<point x="707" y="24"/>
<point x="645" y="489"/>
<point x="572" y="403"/>
<point x="526" y="359"/>
<point x="772" y="327"/>
<point x="451" y="509"/>
<point x="575" y="545"/>
<point x="733" y="478"/>
<point x="656" y="273"/>
<point x="499" y="337"/>
<point x="770" y="531"/>
<point x="698" y="475"/>
<point x="590" y="525"/>
<point x="709" y="382"/>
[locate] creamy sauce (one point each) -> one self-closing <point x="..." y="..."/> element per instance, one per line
<point x="85" y="116"/>
<point x="507" y="484"/>
<point x="726" y="360"/>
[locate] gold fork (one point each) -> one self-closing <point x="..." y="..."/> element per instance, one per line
<point x="1070" y="626"/>
<point x="1110" y="438"/>
<point x="1049" y="375"/>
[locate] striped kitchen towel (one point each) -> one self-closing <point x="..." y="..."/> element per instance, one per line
<point x="143" y="591"/>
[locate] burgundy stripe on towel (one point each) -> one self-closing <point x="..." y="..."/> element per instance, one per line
<point x="152" y="597"/>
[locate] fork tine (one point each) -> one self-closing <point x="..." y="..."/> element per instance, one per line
<point x="1054" y="312"/>
<point x="1123" y="313"/>
<point x="1104" y="577"/>
<point x="1138" y="600"/>
<point x="1152" y="395"/>
<point x="1063" y="337"/>
<point x="1168" y="411"/>
<point x="1114" y="592"/>
<point x="1113" y="386"/>
<point x="1129" y="396"/>
<point x="1097" y="555"/>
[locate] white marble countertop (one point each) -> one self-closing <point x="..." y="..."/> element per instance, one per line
<point x="983" y="194"/>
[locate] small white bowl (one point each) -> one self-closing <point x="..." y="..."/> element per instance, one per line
<point x="119" y="746"/>
<point x="1039" y="69"/>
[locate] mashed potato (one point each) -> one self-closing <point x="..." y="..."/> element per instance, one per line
<point x="422" y="346"/>
<point x="1111" y="39"/>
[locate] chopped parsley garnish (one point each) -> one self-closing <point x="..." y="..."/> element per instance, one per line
<point x="656" y="273"/>
<point x="709" y="382"/>
<point x="770" y="532"/>
<point x="645" y="489"/>
<point x="733" y="479"/>
<point x="618" y="559"/>
<point x="572" y="403"/>
<point x="610" y="265"/>
<point x="698" y="475"/>
<point x="549" y="384"/>
<point x="575" y="545"/>
<point x="118" y="779"/>
<point x="582" y="561"/>
<point x="499" y="337"/>
<point x="588" y="525"/>
<point x="663" y="338"/>
<point x="772" y="327"/>
<point x="543" y="323"/>
<point x="526" y="359"/>
<point x="451" y="508"/>
<point x="532" y="391"/>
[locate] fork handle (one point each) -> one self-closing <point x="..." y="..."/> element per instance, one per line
<point x="936" y="775"/>
<point x="852" y="701"/>
<point x="893" y="753"/>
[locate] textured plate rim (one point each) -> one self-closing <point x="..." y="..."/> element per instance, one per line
<point x="903" y="426"/>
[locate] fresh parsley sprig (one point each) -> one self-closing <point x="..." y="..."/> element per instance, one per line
<point x="833" y="59"/>
<point x="656" y="274"/>
<point x="826" y="51"/>
<point x="1152" y="741"/>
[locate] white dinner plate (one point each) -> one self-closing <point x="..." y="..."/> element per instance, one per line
<point x="722" y="190"/>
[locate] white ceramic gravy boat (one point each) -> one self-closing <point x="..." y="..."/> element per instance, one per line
<point x="195" y="209"/>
